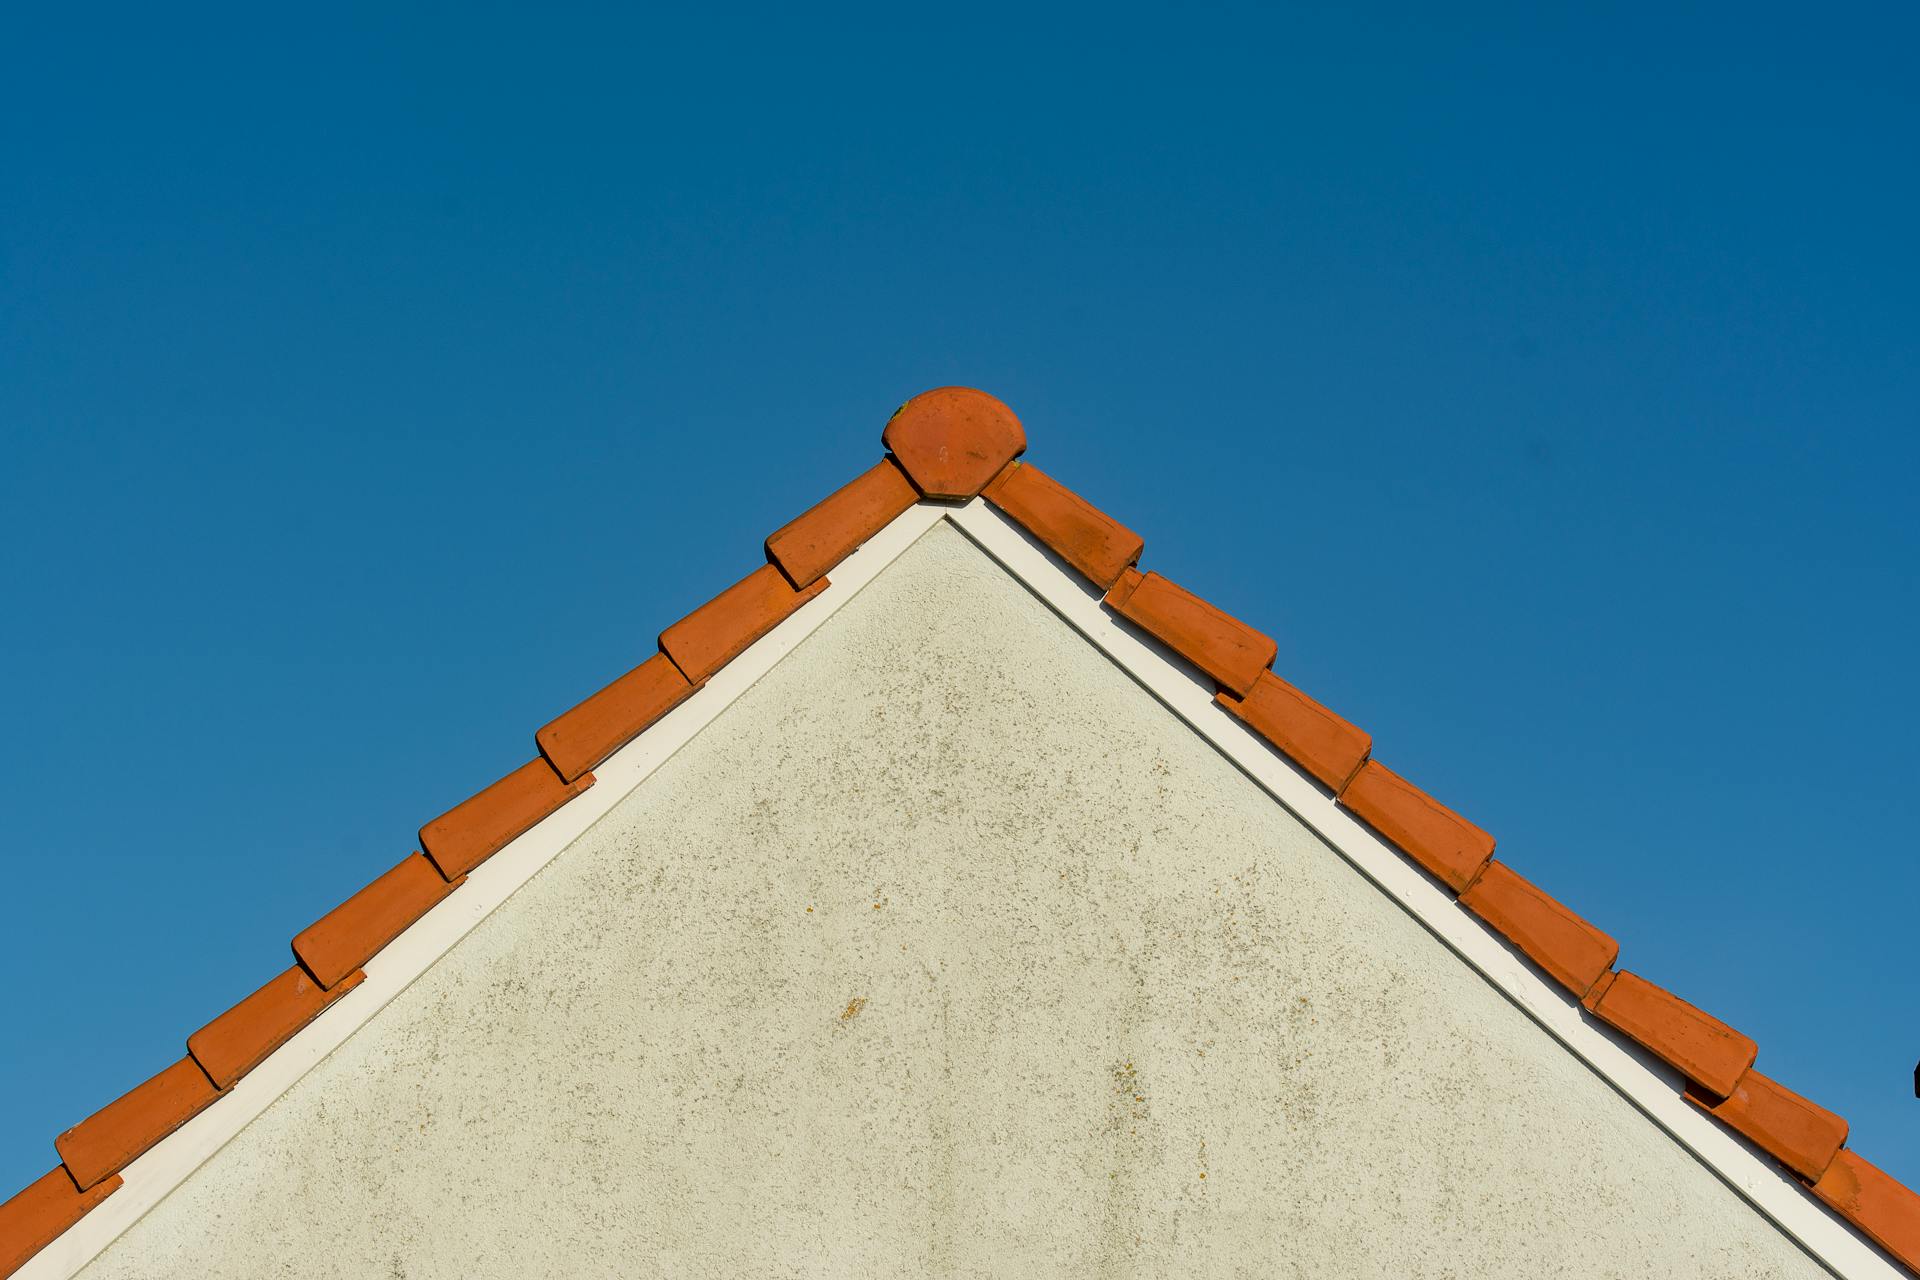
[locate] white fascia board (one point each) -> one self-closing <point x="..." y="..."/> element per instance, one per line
<point x="1648" y="1084"/>
<point x="150" y="1178"/>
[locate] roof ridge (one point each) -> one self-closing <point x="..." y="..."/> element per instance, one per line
<point x="945" y="445"/>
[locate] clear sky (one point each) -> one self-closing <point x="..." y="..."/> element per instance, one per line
<point x="375" y="385"/>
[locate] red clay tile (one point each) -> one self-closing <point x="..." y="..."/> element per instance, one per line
<point x="1314" y="738"/>
<point x="833" y="529"/>
<point x="1094" y="543"/>
<point x="1573" y="952"/>
<point x="578" y="740"/>
<point x="40" y="1214"/>
<point x="953" y="443"/>
<point x="336" y="944"/>
<point x="1224" y="647"/>
<point x="238" y="1040"/>
<point x="1599" y="989"/>
<point x="1704" y="1049"/>
<point x="109" y="1139"/>
<point x="1451" y="849"/>
<point x="952" y="440"/>
<point x="483" y="824"/>
<point x="1799" y="1134"/>
<point x="1887" y="1212"/>
<point x="721" y="629"/>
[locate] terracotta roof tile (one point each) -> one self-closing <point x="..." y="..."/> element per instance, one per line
<point x="351" y="934"/>
<point x="578" y="740"/>
<point x="483" y="824"/>
<point x="1885" y="1210"/>
<point x="1221" y="645"/>
<point x="240" y="1039"/>
<point x="39" y="1215"/>
<point x="1591" y="1000"/>
<point x="1098" y="547"/>
<point x="1799" y="1134"/>
<point x="111" y="1138"/>
<point x="720" y="630"/>
<point x="952" y="440"/>
<point x="1451" y="849"/>
<point x="1700" y="1046"/>
<point x="1572" y="952"/>
<point x="950" y="443"/>
<point x="833" y="528"/>
<point x="1313" y="737"/>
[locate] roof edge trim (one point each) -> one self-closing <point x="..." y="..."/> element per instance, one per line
<point x="152" y="1176"/>
<point x="1653" y="1088"/>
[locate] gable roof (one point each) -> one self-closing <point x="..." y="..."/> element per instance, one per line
<point x="952" y="446"/>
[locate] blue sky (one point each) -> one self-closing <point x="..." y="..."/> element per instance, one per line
<point x="374" y="385"/>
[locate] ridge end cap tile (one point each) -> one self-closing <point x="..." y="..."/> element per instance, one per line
<point x="952" y="440"/>
<point x="1119" y="592"/>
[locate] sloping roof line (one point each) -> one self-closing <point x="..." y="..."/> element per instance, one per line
<point x="950" y="445"/>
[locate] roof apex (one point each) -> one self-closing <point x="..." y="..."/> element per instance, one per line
<point x="955" y="444"/>
<point x="952" y="440"/>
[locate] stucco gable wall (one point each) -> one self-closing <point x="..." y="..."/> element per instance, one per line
<point x="945" y="950"/>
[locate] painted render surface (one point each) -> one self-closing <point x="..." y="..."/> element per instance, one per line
<point x="947" y="951"/>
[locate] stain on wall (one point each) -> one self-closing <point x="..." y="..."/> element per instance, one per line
<point x="945" y="951"/>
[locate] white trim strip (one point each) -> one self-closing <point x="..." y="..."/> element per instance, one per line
<point x="1651" y="1086"/>
<point x="169" y="1163"/>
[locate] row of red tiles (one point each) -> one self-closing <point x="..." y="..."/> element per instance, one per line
<point x="1716" y="1060"/>
<point x="330" y="952"/>
<point x="952" y="444"/>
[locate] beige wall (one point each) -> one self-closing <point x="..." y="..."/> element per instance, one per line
<point x="946" y="951"/>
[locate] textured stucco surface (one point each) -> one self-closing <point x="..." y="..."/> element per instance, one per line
<point x="947" y="951"/>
